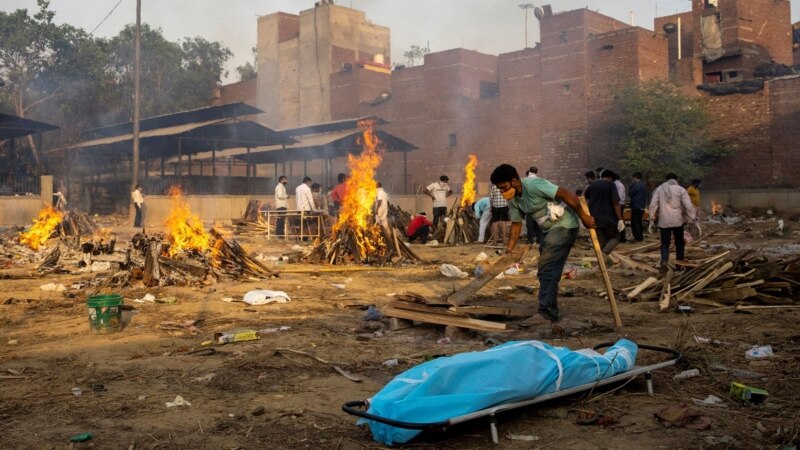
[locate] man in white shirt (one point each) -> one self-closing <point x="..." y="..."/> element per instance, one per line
<point x="670" y="209"/>
<point x="303" y="196"/>
<point x="382" y="207"/>
<point x="281" y="204"/>
<point x="138" y="203"/>
<point x="439" y="192"/>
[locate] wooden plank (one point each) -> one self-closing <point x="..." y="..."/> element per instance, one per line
<point x="770" y="300"/>
<point x="702" y="301"/>
<point x="666" y="292"/>
<point x="640" y="288"/>
<point x="461" y="296"/>
<point x="409" y="306"/>
<point x="493" y="311"/>
<point x="733" y="295"/>
<point x="705" y="281"/>
<point x="444" y="319"/>
<point x="602" y="263"/>
<point x="631" y="264"/>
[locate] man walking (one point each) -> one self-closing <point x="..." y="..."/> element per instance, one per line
<point x="638" y="194"/>
<point x="281" y="204"/>
<point x="439" y="192"/>
<point x="694" y="196"/>
<point x="559" y="229"/>
<point x="670" y="209"/>
<point x="138" y="203"/>
<point x="603" y="199"/>
<point x="483" y="212"/>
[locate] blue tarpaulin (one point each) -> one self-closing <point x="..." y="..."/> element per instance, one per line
<point x="453" y="386"/>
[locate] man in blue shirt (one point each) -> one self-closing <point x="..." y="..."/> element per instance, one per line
<point x="483" y="211"/>
<point x="539" y="197"/>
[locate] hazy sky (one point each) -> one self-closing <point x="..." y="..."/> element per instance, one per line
<point x="489" y="26"/>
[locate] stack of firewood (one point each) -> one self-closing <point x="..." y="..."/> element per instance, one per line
<point x="725" y="279"/>
<point x="345" y="246"/>
<point x="76" y="223"/>
<point x="251" y="214"/>
<point x="398" y="218"/>
<point x="460" y="227"/>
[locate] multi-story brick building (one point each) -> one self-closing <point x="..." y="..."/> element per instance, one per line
<point x="546" y="106"/>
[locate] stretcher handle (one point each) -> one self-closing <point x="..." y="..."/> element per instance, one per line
<point x="676" y="355"/>
<point x="356" y="408"/>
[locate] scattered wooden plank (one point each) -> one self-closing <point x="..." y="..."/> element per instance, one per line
<point x="703" y="282"/>
<point x="733" y="295"/>
<point x="419" y="307"/>
<point x="774" y="301"/>
<point x="444" y="319"/>
<point x="702" y="301"/>
<point x="493" y="311"/>
<point x="666" y="292"/>
<point x="640" y="288"/>
<point x="631" y="264"/>
<point x="461" y="296"/>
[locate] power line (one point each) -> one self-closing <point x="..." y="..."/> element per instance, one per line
<point x="106" y="17"/>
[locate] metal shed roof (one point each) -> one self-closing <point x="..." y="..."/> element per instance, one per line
<point x="14" y="126"/>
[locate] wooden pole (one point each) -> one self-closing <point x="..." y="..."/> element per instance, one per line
<point x="137" y="93"/>
<point x="602" y="263"/>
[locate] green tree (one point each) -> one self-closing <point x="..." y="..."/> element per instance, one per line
<point x="415" y="55"/>
<point x="248" y="70"/>
<point x="658" y="130"/>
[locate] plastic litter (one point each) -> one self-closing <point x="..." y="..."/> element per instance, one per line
<point x="52" y="287"/>
<point x="759" y="352"/>
<point x="391" y="362"/>
<point x="711" y="400"/>
<point x="77" y="392"/>
<point x="179" y="401"/>
<point x="83" y="437"/>
<point x="148" y="298"/>
<point x="443" y="341"/>
<point x="687" y="374"/>
<point x="338" y="285"/>
<point x="452" y="271"/>
<point x="481" y="257"/>
<point x="479" y="270"/>
<point x="522" y="437"/>
<point x="373" y="314"/>
<point x="264" y="297"/>
<point x="433" y="243"/>
<point x="273" y="330"/>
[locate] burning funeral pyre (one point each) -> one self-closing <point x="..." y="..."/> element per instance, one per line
<point x="356" y="236"/>
<point x="460" y="225"/>
<point x="185" y="254"/>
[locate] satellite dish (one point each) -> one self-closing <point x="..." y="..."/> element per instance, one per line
<point x="538" y="13"/>
<point x="670" y="28"/>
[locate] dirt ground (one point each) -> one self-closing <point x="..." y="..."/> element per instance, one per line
<point x="127" y="377"/>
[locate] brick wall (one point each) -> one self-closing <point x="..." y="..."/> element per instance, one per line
<point x="785" y="118"/>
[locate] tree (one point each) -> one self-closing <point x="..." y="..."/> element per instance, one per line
<point x="248" y="71"/>
<point x="415" y="55"/>
<point x="658" y="130"/>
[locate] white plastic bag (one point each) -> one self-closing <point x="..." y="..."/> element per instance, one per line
<point x="265" y="297"/>
<point x="452" y="271"/>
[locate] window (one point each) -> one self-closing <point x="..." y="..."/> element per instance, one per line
<point x="566" y="88"/>
<point x="453" y="139"/>
<point x="608" y="47"/>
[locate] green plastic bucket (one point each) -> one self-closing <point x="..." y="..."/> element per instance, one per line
<point x="105" y="313"/>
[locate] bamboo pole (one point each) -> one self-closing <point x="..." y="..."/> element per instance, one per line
<point x="602" y="263"/>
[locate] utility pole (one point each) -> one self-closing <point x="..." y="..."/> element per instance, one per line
<point x="137" y="93"/>
<point x="525" y="7"/>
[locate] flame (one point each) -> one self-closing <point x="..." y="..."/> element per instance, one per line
<point x="468" y="193"/>
<point x="716" y="208"/>
<point x="362" y="189"/>
<point x="184" y="229"/>
<point x="43" y="226"/>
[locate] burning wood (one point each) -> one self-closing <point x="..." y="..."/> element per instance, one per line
<point x="355" y="236"/>
<point x="469" y="193"/>
<point x="43" y="227"/>
<point x="184" y="229"/>
<point x="461" y="226"/>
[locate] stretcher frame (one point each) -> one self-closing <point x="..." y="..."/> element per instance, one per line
<point x="359" y="407"/>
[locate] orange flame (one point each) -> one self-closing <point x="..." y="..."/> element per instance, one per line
<point x="360" y="195"/>
<point x="716" y="208"/>
<point x="43" y="226"/>
<point x="468" y="193"/>
<point x="184" y="229"/>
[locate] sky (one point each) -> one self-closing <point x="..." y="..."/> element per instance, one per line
<point x="488" y="26"/>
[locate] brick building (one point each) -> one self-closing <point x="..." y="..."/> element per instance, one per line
<point x="546" y="105"/>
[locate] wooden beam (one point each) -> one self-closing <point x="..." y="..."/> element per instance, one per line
<point x="493" y="311"/>
<point x="602" y="263"/>
<point x="444" y="319"/>
<point x="640" y="288"/>
<point x="461" y="296"/>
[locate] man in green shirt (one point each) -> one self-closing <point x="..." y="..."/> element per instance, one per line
<point x="541" y="199"/>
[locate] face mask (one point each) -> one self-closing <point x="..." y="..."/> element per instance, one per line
<point x="509" y="194"/>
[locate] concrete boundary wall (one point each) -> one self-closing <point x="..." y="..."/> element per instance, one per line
<point x="781" y="200"/>
<point x="22" y="209"/>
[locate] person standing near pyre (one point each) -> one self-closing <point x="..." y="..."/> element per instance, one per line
<point x="281" y="204"/>
<point x="138" y="203"/>
<point x="439" y="191"/>
<point x="542" y="199"/>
